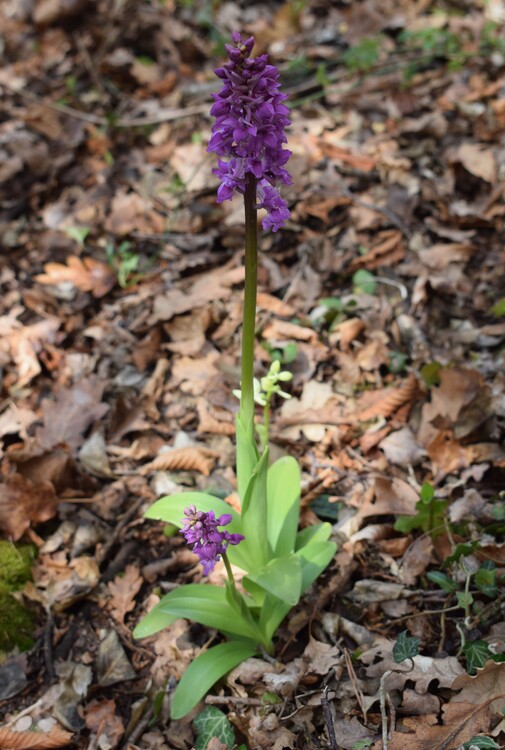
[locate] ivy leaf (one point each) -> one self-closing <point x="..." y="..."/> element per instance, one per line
<point x="461" y="550"/>
<point x="465" y="599"/>
<point x="406" y="647"/>
<point x="212" y="722"/>
<point x="485" y="579"/>
<point x="477" y="654"/>
<point x="483" y="743"/>
<point x="443" y="581"/>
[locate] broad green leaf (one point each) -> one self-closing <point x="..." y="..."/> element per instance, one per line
<point x="281" y="577"/>
<point x="212" y="722"/>
<point x="463" y="549"/>
<point x="406" y="647"/>
<point x="318" y="533"/>
<point x="273" y="613"/>
<point x="443" y="581"/>
<point x="477" y="654"/>
<point x="171" y="510"/>
<point x="283" y="505"/>
<point x="254" y="517"/>
<point x="364" y="282"/>
<point x="153" y="622"/>
<point x="483" y="743"/>
<point x="209" y="606"/>
<point x="206" y="670"/>
<point x="315" y="557"/>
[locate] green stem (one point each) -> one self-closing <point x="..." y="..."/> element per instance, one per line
<point x="249" y="316"/>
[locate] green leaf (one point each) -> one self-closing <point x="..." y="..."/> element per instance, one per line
<point x="485" y="579"/>
<point x="78" y="234"/>
<point x="318" y="533"/>
<point x="283" y="505"/>
<point x="281" y="577"/>
<point x="315" y="557"/>
<point x="212" y="722"/>
<point x="209" y="606"/>
<point x="465" y="599"/>
<point x="477" y="654"/>
<point x="153" y="622"/>
<point x="254" y="517"/>
<point x="364" y="282"/>
<point x="430" y="373"/>
<point x="483" y="743"/>
<point x="406" y="647"/>
<point x="443" y="581"/>
<point x="461" y="550"/>
<point x="205" y="671"/>
<point x="498" y="309"/>
<point x="427" y="492"/>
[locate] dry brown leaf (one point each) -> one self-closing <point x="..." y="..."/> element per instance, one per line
<point x="426" y="669"/>
<point x="357" y="161"/>
<point x="23" y="503"/>
<point x="478" y="160"/>
<point x="209" y="423"/>
<point x="86" y="274"/>
<point x="389" y="249"/>
<point x="124" y="589"/>
<point x="75" y="409"/>
<point x="132" y="213"/>
<point x="102" y="719"/>
<point x="461" y="722"/>
<point x="488" y="685"/>
<point x="391" y="399"/>
<point x="274" y="305"/>
<point x="440" y="255"/>
<point x="347" y="331"/>
<point x="390" y="496"/>
<point x="282" y="330"/>
<point x="191" y="458"/>
<point x="57" y="737"/>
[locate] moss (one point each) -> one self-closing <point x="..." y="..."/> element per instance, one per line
<point x="16" y="625"/>
<point x="15" y="565"/>
<point x="16" y="621"/>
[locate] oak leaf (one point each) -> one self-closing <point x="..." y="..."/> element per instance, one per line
<point x="123" y="590"/>
<point x="86" y="274"/>
<point x="34" y="740"/>
<point x="190" y="458"/>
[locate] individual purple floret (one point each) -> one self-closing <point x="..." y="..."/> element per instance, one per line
<point x="249" y="129"/>
<point x="200" y="530"/>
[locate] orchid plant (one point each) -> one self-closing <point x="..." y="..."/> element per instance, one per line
<point x="274" y="561"/>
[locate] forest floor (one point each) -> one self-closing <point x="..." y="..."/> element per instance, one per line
<point x="120" y="315"/>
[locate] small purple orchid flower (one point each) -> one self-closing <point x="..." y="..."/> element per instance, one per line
<point x="249" y="129"/>
<point x="200" y="530"/>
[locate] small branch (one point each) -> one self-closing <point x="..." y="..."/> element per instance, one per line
<point x="328" y="718"/>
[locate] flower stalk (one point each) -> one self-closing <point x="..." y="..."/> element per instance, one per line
<point x="249" y="311"/>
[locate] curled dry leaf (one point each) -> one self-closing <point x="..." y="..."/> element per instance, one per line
<point x="390" y="400"/>
<point x="86" y="274"/>
<point x="209" y="423"/>
<point x="11" y="740"/>
<point x="23" y="503"/>
<point x="192" y="458"/>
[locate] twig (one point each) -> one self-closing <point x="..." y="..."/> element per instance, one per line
<point x="393" y="218"/>
<point x="328" y="718"/>
<point x="224" y="700"/>
<point x="47" y="644"/>
<point x="357" y="690"/>
<point x="163" y="115"/>
<point x="138" y="729"/>
<point x="106" y="549"/>
<point x="384" y="716"/>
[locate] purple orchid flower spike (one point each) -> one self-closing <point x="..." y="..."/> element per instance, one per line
<point x="200" y="530"/>
<point x="249" y="130"/>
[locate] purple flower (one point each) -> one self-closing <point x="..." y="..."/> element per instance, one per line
<point x="200" y="530"/>
<point x="249" y="129"/>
